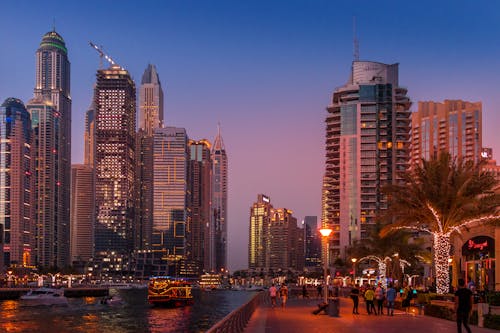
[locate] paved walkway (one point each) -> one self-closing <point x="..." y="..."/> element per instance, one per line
<point x="298" y="317"/>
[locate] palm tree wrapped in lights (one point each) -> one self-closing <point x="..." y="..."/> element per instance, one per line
<point x="441" y="197"/>
<point x="382" y="266"/>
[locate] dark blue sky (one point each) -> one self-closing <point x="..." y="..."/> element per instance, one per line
<point x="265" y="70"/>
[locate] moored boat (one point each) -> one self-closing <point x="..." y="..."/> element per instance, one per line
<point x="44" y="296"/>
<point x="169" y="291"/>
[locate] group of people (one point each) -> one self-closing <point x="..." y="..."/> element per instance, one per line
<point x="281" y="292"/>
<point x="374" y="299"/>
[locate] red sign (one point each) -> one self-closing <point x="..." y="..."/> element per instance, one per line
<point x="473" y="245"/>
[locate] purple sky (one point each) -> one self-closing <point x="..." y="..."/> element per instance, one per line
<point x="265" y="70"/>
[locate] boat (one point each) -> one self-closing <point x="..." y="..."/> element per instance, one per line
<point x="44" y="296"/>
<point x="169" y="291"/>
<point x="209" y="282"/>
<point x="112" y="300"/>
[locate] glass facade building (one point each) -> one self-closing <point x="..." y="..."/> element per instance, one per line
<point x="17" y="223"/>
<point x="367" y="145"/>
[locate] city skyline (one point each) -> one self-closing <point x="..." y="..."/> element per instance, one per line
<point x="265" y="72"/>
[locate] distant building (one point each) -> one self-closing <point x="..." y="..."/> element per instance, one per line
<point x="275" y="241"/>
<point x="52" y="96"/>
<point x="312" y="242"/>
<point x="200" y="228"/>
<point x="114" y="166"/>
<point x="150" y="118"/>
<point x="89" y="135"/>
<point x="82" y="214"/>
<point x="367" y="146"/>
<point x="17" y="191"/>
<point x="220" y="175"/>
<point x="454" y="126"/>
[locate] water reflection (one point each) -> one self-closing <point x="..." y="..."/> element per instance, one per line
<point x="88" y="315"/>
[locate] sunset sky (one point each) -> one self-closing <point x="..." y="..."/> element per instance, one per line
<point x="265" y="70"/>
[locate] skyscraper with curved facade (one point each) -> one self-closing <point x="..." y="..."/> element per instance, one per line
<point x="52" y="102"/>
<point x="367" y="144"/>
<point x="17" y="223"/>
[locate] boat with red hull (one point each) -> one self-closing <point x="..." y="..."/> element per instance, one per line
<point x="169" y="291"/>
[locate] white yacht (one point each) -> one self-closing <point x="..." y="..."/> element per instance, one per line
<point x="44" y="296"/>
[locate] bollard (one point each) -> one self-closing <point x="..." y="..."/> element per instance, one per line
<point x="333" y="307"/>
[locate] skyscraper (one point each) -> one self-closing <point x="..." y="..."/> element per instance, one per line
<point x="150" y="117"/>
<point x="312" y="242"/>
<point x="89" y="135"/>
<point x="114" y="163"/>
<point x="82" y="213"/>
<point x="170" y="186"/>
<point x="52" y="85"/>
<point x="453" y="126"/>
<point x="150" y="101"/>
<point x="200" y="231"/>
<point x="367" y="144"/>
<point x="258" y="243"/>
<point x="219" y="200"/>
<point x="17" y="223"/>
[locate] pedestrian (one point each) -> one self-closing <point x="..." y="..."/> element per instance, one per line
<point x="379" y="298"/>
<point x="284" y="295"/>
<point x="406" y="297"/>
<point x="320" y="291"/>
<point x="304" y="292"/>
<point x="390" y="296"/>
<point x="272" y="294"/>
<point x="369" y="296"/>
<point x="355" y="298"/>
<point x="463" y="306"/>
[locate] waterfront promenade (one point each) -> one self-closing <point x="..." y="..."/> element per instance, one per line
<point x="298" y="317"/>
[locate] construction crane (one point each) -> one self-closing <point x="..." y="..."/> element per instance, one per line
<point x="103" y="55"/>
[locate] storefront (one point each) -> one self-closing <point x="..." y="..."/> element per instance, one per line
<point x="478" y="262"/>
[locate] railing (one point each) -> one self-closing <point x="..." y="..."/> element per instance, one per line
<point x="237" y="320"/>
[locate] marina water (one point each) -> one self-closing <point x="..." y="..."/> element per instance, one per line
<point x="135" y="315"/>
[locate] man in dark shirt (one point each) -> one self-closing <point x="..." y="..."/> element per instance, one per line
<point x="463" y="306"/>
<point x="355" y="298"/>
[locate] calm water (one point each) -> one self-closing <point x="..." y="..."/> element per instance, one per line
<point x="135" y="315"/>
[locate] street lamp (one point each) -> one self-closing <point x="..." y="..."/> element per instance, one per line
<point x="354" y="268"/>
<point x="325" y="232"/>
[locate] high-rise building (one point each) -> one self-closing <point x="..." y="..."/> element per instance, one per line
<point x="150" y="117"/>
<point x="367" y="145"/>
<point x="150" y="101"/>
<point x="200" y="229"/>
<point x="82" y="213"/>
<point x="454" y="126"/>
<point x="17" y="192"/>
<point x="275" y="240"/>
<point x="170" y="186"/>
<point x="219" y="201"/>
<point x="114" y="166"/>
<point x="312" y="242"/>
<point x="258" y="244"/>
<point x="89" y="135"/>
<point x="52" y="85"/>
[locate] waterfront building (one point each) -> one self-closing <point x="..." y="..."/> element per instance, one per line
<point x="454" y="126"/>
<point x="82" y="214"/>
<point x="312" y="242"/>
<point x="114" y="167"/>
<point x="200" y="243"/>
<point x="17" y="191"/>
<point x="52" y="87"/>
<point x="170" y="186"/>
<point x="367" y="145"/>
<point x="150" y="117"/>
<point x="219" y="201"/>
<point x="275" y="241"/>
<point x="260" y="219"/>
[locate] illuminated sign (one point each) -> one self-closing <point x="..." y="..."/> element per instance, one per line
<point x="265" y="199"/>
<point x="473" y="245"/>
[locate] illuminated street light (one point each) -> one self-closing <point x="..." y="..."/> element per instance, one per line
<point x="354" y="268"/>
<point x="325" y="232"/>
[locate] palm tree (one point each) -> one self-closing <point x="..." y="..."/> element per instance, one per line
<point x="442" y="196"/>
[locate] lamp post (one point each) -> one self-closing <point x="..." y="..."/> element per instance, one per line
<point x="354" y="269"/>
<point x="325" y="232"/>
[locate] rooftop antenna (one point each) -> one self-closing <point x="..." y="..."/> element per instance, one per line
<point x="355" y="40"/>
<point x="54" y="24"/>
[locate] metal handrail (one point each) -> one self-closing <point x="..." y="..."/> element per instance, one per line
<point x="236" y="321"/>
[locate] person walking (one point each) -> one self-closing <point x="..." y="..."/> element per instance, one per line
<point x="272" y="293"/>
<point x="369" y="296"/>
<point x="463" y="306"/>
<point x="320" y="291"/>
<point x="284" y="295"/>
<point x="304" y="292"/>
<point x="379" y="298"/>
<point x="390" y="296"/>
<point x="355" y="298"/>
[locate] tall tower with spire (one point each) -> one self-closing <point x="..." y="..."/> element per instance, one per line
<point x="150" y="101"/>
<point x="219" y="200"/>
<point x="53" y="150"/>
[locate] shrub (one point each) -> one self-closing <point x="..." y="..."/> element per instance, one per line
<point x="494" y="298"/>
<point x="492" y="321"/>
<point x="439" y="311"/>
